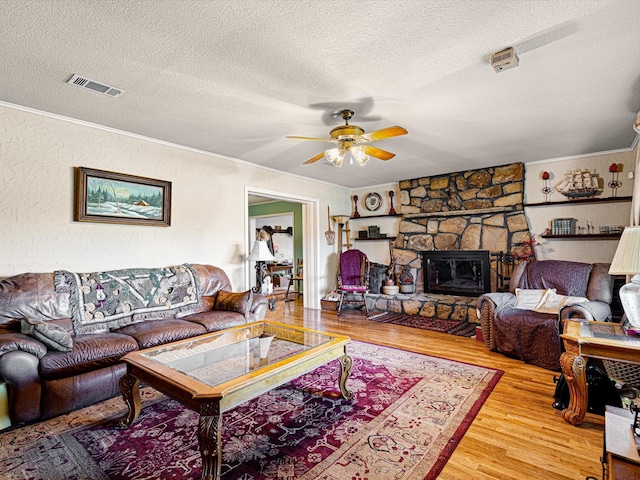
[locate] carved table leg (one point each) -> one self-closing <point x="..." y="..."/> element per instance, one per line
<point x="209" y="437"/>
<point x="574" y="370"/>
<point x="130" y="388"/>
<point x="346" y="362"/>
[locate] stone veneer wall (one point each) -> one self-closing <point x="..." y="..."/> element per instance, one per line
<point x="472" y="210"/>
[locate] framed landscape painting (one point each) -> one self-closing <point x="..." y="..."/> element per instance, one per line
<point x="109" y="197"/>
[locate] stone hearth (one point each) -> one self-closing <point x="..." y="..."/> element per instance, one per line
<point x="428" y="305"/>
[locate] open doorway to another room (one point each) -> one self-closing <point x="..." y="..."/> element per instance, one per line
<point x="290" y="213"/>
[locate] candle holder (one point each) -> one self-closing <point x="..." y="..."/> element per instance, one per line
<point x="614" y="184"/>
<point x="546" y="189"/>
<point x="392" y="211"/>
<point x="356" y="214"/>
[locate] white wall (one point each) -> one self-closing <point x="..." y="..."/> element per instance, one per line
<point x="209" y="220"/>
<point x="377" y="250"/>
<point x="580" y="250"/>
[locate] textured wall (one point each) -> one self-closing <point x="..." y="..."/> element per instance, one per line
<point x="37" y="231"/>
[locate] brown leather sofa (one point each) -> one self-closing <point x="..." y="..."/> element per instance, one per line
<point x="533" y="335"/>
<point x="44" y="382"/>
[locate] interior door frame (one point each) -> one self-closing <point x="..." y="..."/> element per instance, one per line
<point x="310" y="229"/>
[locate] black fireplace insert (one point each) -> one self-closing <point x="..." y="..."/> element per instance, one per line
<point x="460" y="272"/>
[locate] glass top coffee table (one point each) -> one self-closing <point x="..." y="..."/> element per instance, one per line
<point x="213" y="373"/>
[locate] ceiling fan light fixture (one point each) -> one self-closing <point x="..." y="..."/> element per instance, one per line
<point x="359" y="155"/>
<point x="335" y="156"/>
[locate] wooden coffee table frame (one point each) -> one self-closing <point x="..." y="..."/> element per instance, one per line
<point x="212" y="401"/>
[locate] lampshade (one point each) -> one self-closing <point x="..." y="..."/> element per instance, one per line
<point x="626" y="260"/>
<point x="261" y="252"/>
<point x="359" y="155"/>
<point x="335" y="156"/>
<point x="341" y="219"/>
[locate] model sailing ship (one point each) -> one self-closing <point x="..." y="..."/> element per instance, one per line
<point x="579" y="184"/>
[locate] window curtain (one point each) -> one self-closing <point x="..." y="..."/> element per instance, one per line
<point x="635" y="201"/>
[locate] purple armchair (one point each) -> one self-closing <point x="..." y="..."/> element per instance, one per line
<point x="532" y="332"/>
<point x="353" y="279"/>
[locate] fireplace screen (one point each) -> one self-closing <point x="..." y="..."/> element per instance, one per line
<point x="465" y="272"/>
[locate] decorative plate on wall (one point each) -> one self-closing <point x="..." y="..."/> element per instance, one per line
<point x="372" y="201"/>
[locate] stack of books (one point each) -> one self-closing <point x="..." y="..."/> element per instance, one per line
<point x="563" y="226"/>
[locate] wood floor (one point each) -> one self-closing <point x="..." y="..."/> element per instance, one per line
<point x="517" y="434"/>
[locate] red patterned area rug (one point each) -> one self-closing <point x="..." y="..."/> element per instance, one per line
<point x="453" y="327"/>
<point x="408" y="414"/>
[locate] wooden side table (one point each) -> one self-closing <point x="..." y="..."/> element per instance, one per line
<point x="275" y="307"/>
<point x="583" y="339"/>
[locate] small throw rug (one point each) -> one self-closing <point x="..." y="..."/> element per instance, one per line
<point x="408" y="414"/>
<point x="453" y="327"/>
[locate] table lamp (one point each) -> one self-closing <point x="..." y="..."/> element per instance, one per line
<point x="626" y="261"/>
<point x="260" y="254"/>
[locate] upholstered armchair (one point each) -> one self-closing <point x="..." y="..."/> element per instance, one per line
<point x="525" y="322"/>
<point x="353" y="279"/>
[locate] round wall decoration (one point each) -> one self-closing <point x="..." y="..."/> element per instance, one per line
<point x="372" y="201"/>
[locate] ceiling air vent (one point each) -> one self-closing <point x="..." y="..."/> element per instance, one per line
<point x="95" y="86"/>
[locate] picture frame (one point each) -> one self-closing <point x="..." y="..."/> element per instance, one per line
<point x="110" y="197"/>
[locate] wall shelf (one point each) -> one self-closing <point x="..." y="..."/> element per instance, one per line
<point x="374" y="239"/>
<point x="587" y="236"/>
<point x="580" y="201"/>
<point x="375" y="216"/>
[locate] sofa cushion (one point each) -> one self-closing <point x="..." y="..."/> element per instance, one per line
<point x="234" y="301"/>
<point x="215" y="320"/>
<point x="567" y="278"/>
<point x="90" y="352"/>
<point x="151" y="333"/>
<point x="53" y="336"/>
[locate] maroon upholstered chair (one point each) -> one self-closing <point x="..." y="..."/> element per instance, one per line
<point x="532" y="333"/>
<point x="353" y="279"/>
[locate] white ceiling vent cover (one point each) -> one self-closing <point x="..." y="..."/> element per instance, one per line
<point x="95" y="86"/>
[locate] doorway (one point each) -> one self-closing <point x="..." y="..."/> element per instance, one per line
<point x="309" y="234"/>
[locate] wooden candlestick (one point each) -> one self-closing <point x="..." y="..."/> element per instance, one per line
<point x="392" y="211"/>
<point x="355" y="207"/>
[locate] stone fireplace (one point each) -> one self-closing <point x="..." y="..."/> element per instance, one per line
<point x="462" y="211"/>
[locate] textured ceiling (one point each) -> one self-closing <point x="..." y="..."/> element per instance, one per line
<point x="234" y="77"/>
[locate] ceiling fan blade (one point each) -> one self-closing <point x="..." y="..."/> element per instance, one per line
<point x="384" y="133"/>
<point x="378" y="153"/>
<point x="310" y="138"/>
<point x="314" y="159"/>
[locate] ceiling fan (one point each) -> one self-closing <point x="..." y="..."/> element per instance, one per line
<point x="351" y="138"/>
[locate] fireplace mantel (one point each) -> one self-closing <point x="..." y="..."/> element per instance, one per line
<point x="455" y="213"/>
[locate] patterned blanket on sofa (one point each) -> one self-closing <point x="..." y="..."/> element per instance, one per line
<point x="101" y="301"/>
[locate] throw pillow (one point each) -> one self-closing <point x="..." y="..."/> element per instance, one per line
<point x="50" y="334"/>
<point x="233" y="301"/>
<point x="553" y="302"/>
<point x="529" y="299"/>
